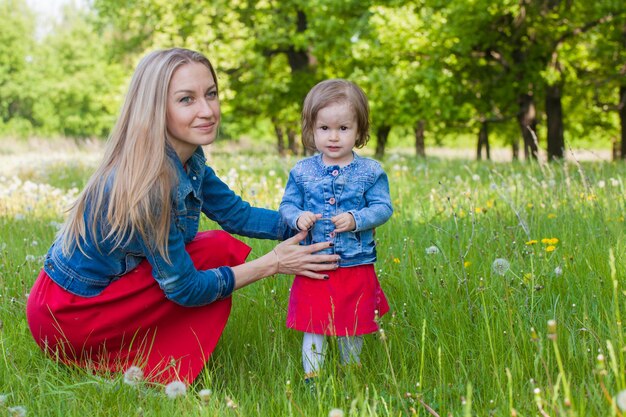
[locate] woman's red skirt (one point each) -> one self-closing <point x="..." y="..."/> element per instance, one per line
<point x="132" y="323"/>
<point x="347" y="304"/>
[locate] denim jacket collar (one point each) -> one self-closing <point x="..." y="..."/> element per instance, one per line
<point x="189" y="177"/>
<point x="329" y="168"/>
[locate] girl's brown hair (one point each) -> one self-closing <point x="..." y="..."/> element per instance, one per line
<point x="335" y="91"/>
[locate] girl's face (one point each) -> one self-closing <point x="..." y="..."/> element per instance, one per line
<point x="335" y="133"/>
<point x="193" y="109"/>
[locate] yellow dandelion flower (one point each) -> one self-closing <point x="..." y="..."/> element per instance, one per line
<point x="531" y="242"/>
<point x="461" y="213"/>
<point x="466" y="264"/>
<point x="478" y="210"/>
<point x="527" y="277"/>
<point x="551" y="216"/>
<point x="592" y="197"/>
<point x="489" y="203"/>
<point x="530" y="205"/>
<point x="553" y="241"/>
<point x="550" y="248"/>
<point x="396" y="260"/>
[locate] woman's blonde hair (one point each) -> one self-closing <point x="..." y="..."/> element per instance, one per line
<point x="330" y="92"/>
<point x="130" y="192"/>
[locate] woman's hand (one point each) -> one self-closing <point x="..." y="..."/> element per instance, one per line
<point x="294" y="259"/>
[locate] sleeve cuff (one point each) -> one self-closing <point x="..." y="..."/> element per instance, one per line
<point x="227" y="281"/>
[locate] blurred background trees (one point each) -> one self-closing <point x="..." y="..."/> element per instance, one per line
<point x="530" y="75"/>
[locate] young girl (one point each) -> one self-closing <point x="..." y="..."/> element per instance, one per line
<point x="339" y="197"/>
<point x="129" y="281"/>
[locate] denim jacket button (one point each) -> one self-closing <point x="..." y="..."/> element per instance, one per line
<point x="331" y="200"/>
<point x="331" y="234"/>
<point x="194" y="178"/>
<point x="334" y="173"/>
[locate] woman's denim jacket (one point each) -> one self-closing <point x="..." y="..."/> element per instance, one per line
<point x="360" y="188"/>
<point x="88" y="272"/>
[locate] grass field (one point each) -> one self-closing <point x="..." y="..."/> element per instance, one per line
<point x="506" y="285"/>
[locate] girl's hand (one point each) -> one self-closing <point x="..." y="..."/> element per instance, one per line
<point x="307" y="220"/>
<point x="344" y="222"/>
<point x="293" y="259"/>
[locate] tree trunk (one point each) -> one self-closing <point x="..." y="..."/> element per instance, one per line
<point x="291" y="141"/>
<point x="622" y="118"/>
<point x="515" y="150"/>
<point x="420" y="147"/>
<point x="280" y="138"/>
<point x="382" y="134"/>
<point x="483" y="142"/>
<point x="554" y="116"/>
<point x="527" y="119"/>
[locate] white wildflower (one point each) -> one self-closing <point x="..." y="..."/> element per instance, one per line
<point x="476" y="177"/>
<point x="620" y="400"/>
<point x="432" y="250"/>
<point x="614" y="182"/>
<point x="17" y="411"/>
<point x="175" y="389"/>
<point x="500" y="266"/>
<point x="133" y="375"/>
<point x="336" y="412"/>
<point x="30" y="258"/>
<point x="205" y="395"/>
<point x="558" y="271"/>
<point x="230" y="403"/>
<point x="601" y="184"/>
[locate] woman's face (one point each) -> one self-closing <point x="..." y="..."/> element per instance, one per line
<point x="193" y="109"/>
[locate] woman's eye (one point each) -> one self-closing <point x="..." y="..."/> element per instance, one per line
<point x="185" y="99"/>
<point x="212" y="94"/>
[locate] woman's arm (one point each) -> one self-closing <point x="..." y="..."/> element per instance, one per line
<point x="288" y="258"/>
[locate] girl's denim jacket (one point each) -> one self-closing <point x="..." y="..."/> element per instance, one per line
<point x="88" y="272"/>
<point x="360" y="188"/>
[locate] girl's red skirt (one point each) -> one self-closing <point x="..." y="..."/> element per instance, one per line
<point x="347" y="304"/>
<point x="132" y="323"/>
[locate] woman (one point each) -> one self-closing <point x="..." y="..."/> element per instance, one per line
<point x="129" y="281"/>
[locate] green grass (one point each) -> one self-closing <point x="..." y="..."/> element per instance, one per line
<point x="460" y="339"/>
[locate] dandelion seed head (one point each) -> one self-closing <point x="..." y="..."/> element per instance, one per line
<point x="133" y="375"/>
<point x="336" y="412"/>
<point x="175" y="389"/>
<point x="500" y="266"/>
<point x="432" y="250"/>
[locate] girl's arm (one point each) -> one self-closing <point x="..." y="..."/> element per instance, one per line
<point x="377" y="208"/>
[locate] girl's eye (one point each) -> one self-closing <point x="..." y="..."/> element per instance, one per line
<point x="324" y="127"/>
<point x="185" y="99"/>
<point x="344" y="128"/>
<point x="212" y="94"/>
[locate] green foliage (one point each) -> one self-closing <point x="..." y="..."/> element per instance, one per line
<point x="453" y="65"/>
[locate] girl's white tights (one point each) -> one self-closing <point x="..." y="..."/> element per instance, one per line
<point x="314" y="346"/>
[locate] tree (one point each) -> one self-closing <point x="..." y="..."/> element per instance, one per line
<point x="17" y="25"/>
